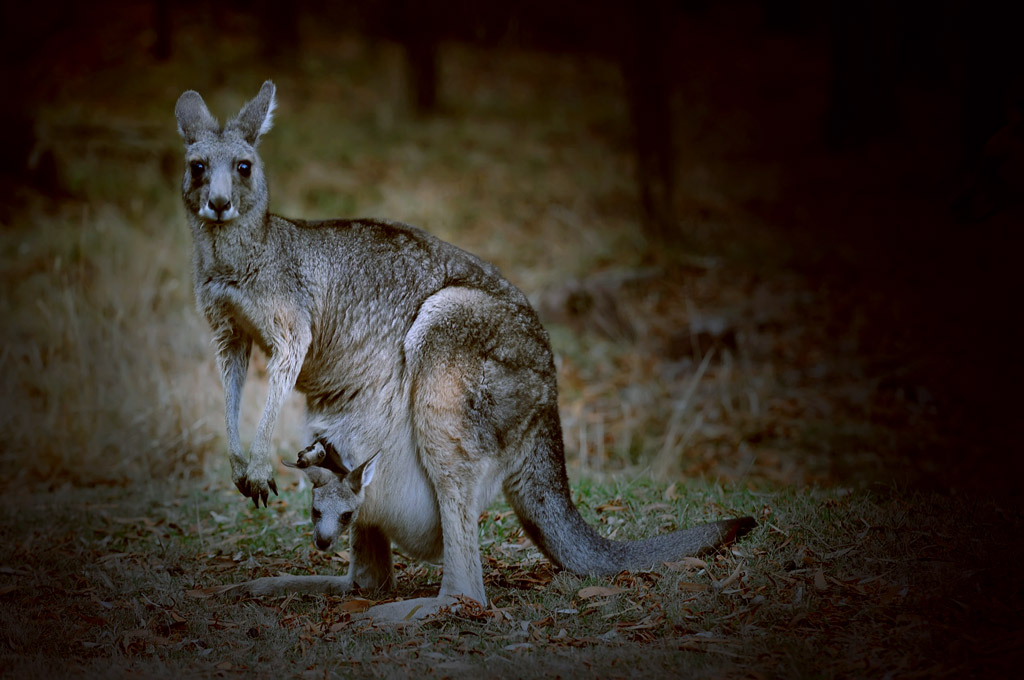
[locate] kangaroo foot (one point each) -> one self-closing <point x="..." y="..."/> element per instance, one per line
<point x="409" y="611"/>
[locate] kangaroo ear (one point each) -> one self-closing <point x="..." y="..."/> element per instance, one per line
<point x="319" y="476"/>
<point x="257" y="117"/>
<point x="193" y="117"/>
<point x="362" y="475"/>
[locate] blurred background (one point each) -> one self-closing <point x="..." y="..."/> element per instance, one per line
<point x="774" y="242"/>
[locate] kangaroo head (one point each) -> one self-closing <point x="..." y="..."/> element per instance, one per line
<point x="223" y="173"/>
<point x="337" y="496"/>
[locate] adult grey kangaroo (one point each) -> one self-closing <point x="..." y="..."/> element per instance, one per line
<point x="405" y="347"/>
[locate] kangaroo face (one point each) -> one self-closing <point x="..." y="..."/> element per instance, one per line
<point x="223" y="178"/>
<point x="337" y="497"/>
<point x="223" y="173"/>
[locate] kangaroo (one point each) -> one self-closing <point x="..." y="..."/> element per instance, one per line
<point x="404" y="345"/>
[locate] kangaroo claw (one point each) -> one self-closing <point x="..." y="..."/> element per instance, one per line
<point x="273" y="486"/>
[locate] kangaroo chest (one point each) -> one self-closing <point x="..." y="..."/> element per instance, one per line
<point x="224" y="302"/>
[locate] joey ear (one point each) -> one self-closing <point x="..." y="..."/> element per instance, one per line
<point x="193" y="117"/>
<point x="257" y="117"/>
<point x="319" y="476"/>
<point x="362" y="475"/>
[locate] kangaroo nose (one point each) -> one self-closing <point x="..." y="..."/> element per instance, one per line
<point x="323" y="543"/>
<point x="219" y="204"/>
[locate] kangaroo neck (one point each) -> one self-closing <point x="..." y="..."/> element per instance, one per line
<point x="230" y="247"/>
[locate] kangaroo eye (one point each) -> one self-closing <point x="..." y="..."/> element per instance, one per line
<point x="315" y="513"/>
<point x="244" y="168"/>
<point x="346" y="517"/>
<point x="197" y="168"/>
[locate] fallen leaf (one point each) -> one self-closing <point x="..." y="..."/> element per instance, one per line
<point x="819" y="580"/>
<point x="651" y="621"/>
<point x="203" y="593"/>
<point x="691" y="563"/>
<point x="836" y="553"/>
<point x="134" y="641"/>
<point x="355" y="606"/>
<point x="655" y="506"/>
<point x="454" y="666"/>
<point x="134" y="520"/>
<point x="692" y="587"/>
<point x="598" y="591"/>
<point x="517" y="647"/>
<point x="15" y="571"/>
<point x="97" y="621"/>
<point x="726" y="582"/>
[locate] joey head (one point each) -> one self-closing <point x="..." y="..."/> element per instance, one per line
<point x="337" y="493"/>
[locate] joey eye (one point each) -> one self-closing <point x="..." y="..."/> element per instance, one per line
<point x="197" y="168"/>
<point x="244" y="168"/>
<point x="346" y="517"/>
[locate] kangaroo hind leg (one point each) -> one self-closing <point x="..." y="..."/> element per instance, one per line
<point x="451" y="452"/>
<point x="455" y="416"/>
<point x="460" y="474"/>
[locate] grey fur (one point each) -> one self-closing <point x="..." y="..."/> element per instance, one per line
<point x="402" y="344"/>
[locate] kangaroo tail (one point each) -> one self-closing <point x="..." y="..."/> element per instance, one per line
<point x="539" y="494"/>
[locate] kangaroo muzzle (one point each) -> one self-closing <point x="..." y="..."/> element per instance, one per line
<point x="219" y="207"/>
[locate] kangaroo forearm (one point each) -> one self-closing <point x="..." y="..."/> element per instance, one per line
<point x="283" y="371"/>
<point x="233" y="361"/>
<point x="233" y="385"/>
<point x="260" y="451"/>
